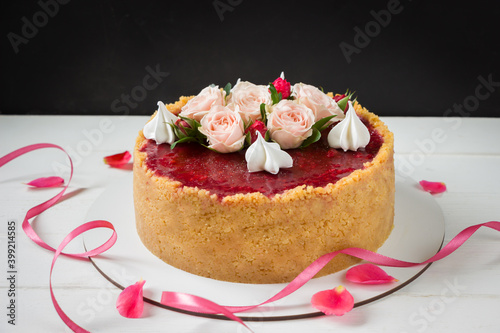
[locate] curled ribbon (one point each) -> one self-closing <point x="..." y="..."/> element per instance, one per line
<point x="193" y="303"/>
<point x="77" y="231"/>
<point x="188" y="302"/>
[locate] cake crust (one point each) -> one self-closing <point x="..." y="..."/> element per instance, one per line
<point x="252" y="238"/>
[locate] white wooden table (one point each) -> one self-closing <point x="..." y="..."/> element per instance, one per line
<point x="458" y="294"/>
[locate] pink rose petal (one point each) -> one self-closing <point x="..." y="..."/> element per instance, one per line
<point x="368" y="274"/>
<point x="130" y="302"/>
<point x="433" y="187"/>
<point x="117" y="160"/>
<point x="336" y="301"/>
<point x="46" y="182"/>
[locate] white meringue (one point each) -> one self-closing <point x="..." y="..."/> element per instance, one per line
<point x="158" y="128"/>
<point x="268" y="156"/>
<point x="350" y="133"/>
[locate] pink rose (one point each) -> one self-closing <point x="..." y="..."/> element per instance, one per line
<point x="224" y="129"/>
<point x="290" y="123"/>
<point x="199" y="105"/>
<point x="249" y="97"/>
<point x="320" y="103"/>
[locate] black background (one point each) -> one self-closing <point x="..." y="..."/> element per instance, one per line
<point x="425" y="62"/>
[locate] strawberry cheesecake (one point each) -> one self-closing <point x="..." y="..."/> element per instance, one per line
<point x="252" y="183"/>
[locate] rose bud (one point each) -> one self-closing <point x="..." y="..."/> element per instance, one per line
<point x="257" y="126"/>
<point x="282" y="86"/>
<point x="182" y="125"/>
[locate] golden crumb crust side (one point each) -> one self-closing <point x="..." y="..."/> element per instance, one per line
<point x="251" y="238"/>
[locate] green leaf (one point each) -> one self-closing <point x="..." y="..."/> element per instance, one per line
<point x="247" y="125"/>
<point x="248" y="139"/>
<point x="177" y="130"/>
<point x="178" y="133"/>
<point x="204" y="145"/>
<point x="349" y="94"/>
<point x="189" y="133"/>
<point x="274" y="94"/>
<point x="227" y="88"/>
<point x="321" y="124"/>
<point x="185" y="139"/>
<point x="343" y="103"/>
<point x="191" y="122"/>
<point x="263" y="113"/>
<point x="193" y="133"/>
<point x="267" y="136"/>
<point x="315" y="136"/>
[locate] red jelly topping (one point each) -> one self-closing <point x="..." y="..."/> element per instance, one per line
<point x="226" y="174"/>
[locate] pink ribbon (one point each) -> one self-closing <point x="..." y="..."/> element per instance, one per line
<point x="189" y="302"/>
<point x="174" y="299"/>
<point x="77" y="231"/>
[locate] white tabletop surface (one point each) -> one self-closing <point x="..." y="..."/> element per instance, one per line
<point x="458" y="294"/>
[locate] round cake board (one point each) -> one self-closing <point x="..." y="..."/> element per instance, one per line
<point x="418" y="234"/>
